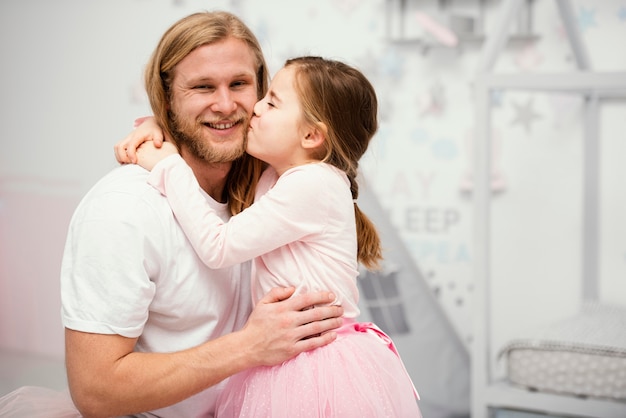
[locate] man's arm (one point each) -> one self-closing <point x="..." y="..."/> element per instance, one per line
<point x="107" y="378"/>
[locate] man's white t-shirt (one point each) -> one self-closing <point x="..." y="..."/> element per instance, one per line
<point x="128" y="269"/>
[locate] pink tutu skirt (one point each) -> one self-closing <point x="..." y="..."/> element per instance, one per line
<point x="358" y="375"/>
<point x="37" y="402"/>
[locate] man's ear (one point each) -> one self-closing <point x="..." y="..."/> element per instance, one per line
<point x="314" y="137"/>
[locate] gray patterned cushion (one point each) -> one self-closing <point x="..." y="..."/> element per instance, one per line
<point x="583" y="356"/>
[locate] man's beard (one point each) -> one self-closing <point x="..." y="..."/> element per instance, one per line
<point x="190" y="135"/>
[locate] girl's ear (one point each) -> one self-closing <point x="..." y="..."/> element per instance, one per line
<point x="314" y="137"/>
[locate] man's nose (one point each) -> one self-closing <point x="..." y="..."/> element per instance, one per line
<point x="224" y="102"/>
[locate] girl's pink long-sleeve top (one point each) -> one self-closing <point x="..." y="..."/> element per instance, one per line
<point x="299" y="232"/>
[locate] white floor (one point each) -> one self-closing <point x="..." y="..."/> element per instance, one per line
<point x="22" y="369"/>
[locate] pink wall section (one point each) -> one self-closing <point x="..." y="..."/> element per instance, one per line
<point x="33" y="226"/>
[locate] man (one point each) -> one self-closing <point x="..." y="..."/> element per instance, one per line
<point x="148" y="326"/>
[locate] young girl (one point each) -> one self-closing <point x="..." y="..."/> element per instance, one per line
<point x="304" y="230"/>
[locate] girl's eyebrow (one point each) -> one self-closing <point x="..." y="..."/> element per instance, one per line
<point x="274" y="97"/>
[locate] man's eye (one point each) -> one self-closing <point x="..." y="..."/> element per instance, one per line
<point x="239" y="84"/>
<point x="203" y="87"/>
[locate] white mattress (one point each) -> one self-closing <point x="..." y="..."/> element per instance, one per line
<point x="582" y="356"/>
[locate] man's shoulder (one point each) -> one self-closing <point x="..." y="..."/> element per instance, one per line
<point x="124" y="189"/>
<point x="125" y="179"/>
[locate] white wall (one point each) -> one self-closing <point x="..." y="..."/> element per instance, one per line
<point x="71" y="87"/>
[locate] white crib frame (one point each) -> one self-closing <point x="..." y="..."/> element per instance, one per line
<point x="487" y="393"/>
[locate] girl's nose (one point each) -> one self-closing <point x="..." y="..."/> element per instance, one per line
<point x="256" y="110"/>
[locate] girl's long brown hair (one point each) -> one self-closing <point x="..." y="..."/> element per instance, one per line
<point x="343" y="99"/>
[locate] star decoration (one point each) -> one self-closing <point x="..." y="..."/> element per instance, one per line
<point x="524" y="114"/>
<point x="586" y="18"/>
